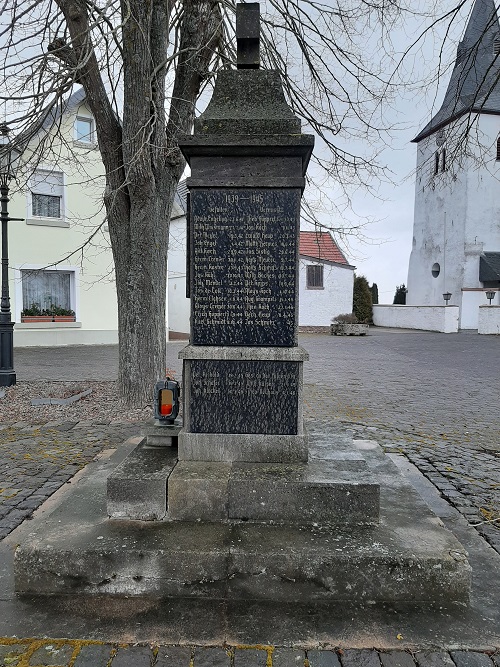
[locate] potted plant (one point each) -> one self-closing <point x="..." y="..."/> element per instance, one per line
<point x="35" y="313"/>
<point x="347" y="324"/>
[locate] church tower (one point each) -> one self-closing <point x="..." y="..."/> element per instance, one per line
<point x="456" y="229"/>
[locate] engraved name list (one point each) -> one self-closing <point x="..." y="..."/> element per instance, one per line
<point x="244" y="257"/>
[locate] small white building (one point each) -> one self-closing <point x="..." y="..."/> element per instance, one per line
<point x="456" y="236"/>
<point x="326" y="281"/>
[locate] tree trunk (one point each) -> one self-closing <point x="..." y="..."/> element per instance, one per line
<point x="141" y="279"/>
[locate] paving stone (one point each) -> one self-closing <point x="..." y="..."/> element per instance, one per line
<point x="359" y="658"/>
<point x="173" y="656"/>
<point x="211" y="657"/>
<point x="133" y="656"/>
<point x="471" y="659"/>
<point x="434" y="659"/>
<point x="396" y="659"/>
<point x="250" y="657"/>
<point x="10" y="654"/>
<point x="52" y="654"/>
<point x="323" y="659"/>
<point x="93" y="655"/>
<point x="284" y="657"/>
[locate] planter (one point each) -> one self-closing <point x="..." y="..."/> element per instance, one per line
<point x="48" y="318"/>
<point x="346" y="329"/>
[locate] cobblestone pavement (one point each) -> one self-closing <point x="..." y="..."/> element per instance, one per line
<point x="430" y="396"/>
<point x="36" y="460"/>
<point x="63" y="653"/>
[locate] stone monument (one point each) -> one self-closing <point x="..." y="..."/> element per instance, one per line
<point x="248" y="508"/>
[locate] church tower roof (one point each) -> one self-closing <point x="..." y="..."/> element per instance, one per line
<point x="475" y="80"/>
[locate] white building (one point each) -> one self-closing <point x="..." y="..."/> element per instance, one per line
<point x="456" y="237"/>
<point x="60" y="255"/>
<point x="326" y="281"/>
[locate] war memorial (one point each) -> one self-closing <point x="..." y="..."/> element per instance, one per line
<point x="249" y="506"/>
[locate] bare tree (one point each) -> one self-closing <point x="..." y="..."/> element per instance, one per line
<point x="144" y="64"/>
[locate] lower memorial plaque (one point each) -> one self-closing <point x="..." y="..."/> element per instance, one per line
<point x="244" y="257"/>
<point x="244" y="397"/>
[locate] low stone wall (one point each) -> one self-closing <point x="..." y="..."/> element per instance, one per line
<point x="489" y="320"/>
<point x="427" y="318"/>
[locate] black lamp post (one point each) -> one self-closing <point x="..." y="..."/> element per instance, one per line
<point x="9" y="157"/>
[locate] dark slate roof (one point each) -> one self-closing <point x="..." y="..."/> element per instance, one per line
<point x="489" y="267"/>
<point x="320" y="245"/>
<point x="474" y="85"/>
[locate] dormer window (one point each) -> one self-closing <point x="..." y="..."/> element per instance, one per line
<point x="496" y="46"/>
<point x="84" y="130"/>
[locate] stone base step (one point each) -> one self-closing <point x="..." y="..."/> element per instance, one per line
<point x="335" y="492"/>
<point x="137" y="488"/>
<point x="409" y="557"/>
<point x="245" y="561"/>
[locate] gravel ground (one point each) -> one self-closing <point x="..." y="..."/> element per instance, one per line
<point x="99" y="407"/>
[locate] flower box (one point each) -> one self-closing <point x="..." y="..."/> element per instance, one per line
<point x="48" y="318"/>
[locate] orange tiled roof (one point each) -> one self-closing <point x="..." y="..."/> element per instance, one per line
<point x="320" y="245"/>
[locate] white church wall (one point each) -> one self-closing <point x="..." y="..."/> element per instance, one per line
<point x="426" y="318"/>
<point x="318" y="306"/>
<point x="439" y="226"/>
<point x="489" y="320"/>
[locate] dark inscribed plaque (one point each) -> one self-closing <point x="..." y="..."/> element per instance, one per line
<point x="244" y="397"/>
<point x="244" y="255"/>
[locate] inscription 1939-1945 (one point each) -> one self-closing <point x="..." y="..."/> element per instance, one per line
<point x="244" y="266"/>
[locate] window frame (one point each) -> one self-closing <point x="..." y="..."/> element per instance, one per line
<point x="31" y="218"/>
<point x="321" y="268"/>
<point x="90" y="141"/>
<point x="74" y="272"/>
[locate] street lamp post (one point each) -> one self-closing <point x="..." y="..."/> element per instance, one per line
<point x="447" y="297"/>
<point x="8" y="162"/>
<point x="490" y="295"/>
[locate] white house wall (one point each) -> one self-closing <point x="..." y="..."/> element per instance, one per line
<point x="35" y="244"/>
<point x="318" y="306"/>
<point x="178" y="304"/>
<point x="457" y="217"/>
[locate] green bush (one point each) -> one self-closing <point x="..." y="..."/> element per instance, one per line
<point x="347" y="318"/>
<point x="400" y="296"/>
<point x="362" y="300"/>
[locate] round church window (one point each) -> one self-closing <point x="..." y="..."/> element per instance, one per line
<point x="436" y="270"/>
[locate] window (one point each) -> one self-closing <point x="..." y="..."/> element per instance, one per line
<point x="314" y="277"/>
<point x="436" y="162"/>
<point x="47" y="289"/>
<point x="84" y="130"/>
<point x="47" y="194"/>
<point x="498" y="148"/>
<point x="443" y="159"/>
<point x="436" y="270"/>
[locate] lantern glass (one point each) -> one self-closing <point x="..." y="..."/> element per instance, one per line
<point x="9" y="156"/>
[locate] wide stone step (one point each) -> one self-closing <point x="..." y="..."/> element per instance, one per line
<point x="245" y="561"/>
<point x="336" y="492"/>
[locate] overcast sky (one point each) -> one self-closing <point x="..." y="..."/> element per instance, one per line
<point x="384" y="258"/>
